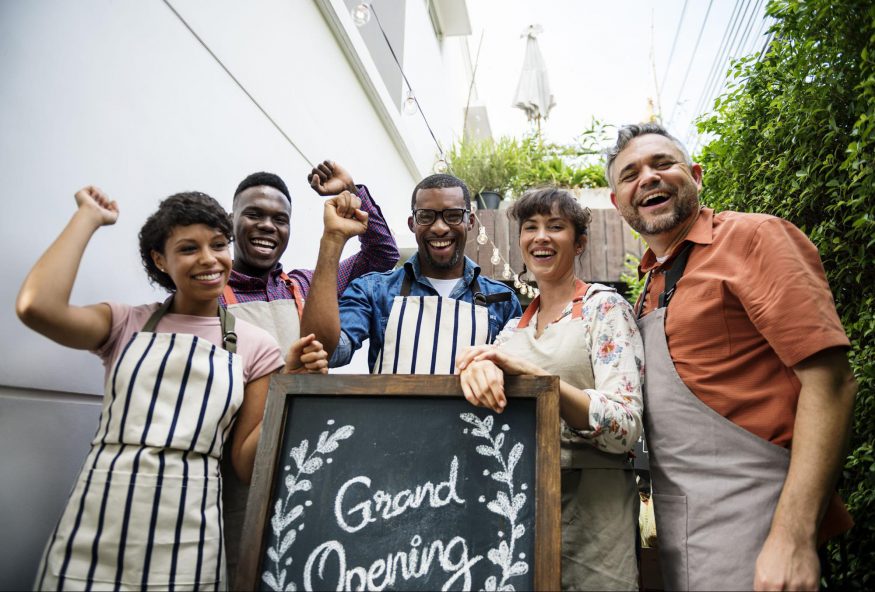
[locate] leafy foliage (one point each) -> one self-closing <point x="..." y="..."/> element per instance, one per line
<point x="509" y="165"/>
<point x="795" y="137"/>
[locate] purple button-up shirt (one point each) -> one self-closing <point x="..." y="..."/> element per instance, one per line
<point x="378" y="253"/>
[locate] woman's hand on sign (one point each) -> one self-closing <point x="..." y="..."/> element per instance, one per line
<point x="306" y="355"/>
<point x="469" y="354"/>
<point x="509" y="364"/>
<point x="96" y="204"/>
<point x="483" y="385"/>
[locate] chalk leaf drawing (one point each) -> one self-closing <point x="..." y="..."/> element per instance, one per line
<point x="285" y="512"/>
<point x="506" y="503"/>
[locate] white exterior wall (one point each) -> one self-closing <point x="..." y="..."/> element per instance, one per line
<point x="121" y="95"/>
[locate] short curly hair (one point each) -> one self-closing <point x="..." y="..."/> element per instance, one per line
<point x="180" y="209"/>
<point x="541" y="200"/>
<point x="262" y="178"/>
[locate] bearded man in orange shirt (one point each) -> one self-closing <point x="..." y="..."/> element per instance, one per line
<point x="748" y="390"/>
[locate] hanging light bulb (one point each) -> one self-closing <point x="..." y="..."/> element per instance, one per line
<point x="440" y="166"/>
<point x="507" y="274"/>
<point x="361" y="14"/>
<point x="516" y="282"/>
<point x="496" y="257"/>
<point x="473" y="207"/>
<point x="482" y="239"/>
<point x="409" y="107"/>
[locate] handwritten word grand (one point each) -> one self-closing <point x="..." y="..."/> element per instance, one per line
<point x="413" y="564"/>
<point x="390" y="505"/>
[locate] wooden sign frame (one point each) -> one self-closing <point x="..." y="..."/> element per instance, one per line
<point x="547" y="539"/>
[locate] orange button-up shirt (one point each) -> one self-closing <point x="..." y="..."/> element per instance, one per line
<point x="752" y="303"/>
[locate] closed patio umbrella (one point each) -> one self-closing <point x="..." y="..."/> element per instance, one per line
<point x="533" y="91"/>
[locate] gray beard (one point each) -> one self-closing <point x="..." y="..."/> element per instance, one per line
<point x="682" y="211"/>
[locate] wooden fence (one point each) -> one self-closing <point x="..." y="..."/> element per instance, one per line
<point x="610" y="240"/>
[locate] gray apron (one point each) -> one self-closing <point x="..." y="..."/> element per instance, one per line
<point x="280" y="318"/>
<point x="715" y="484"/>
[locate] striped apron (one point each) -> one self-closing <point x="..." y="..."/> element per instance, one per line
<point x="145" y="512"/>
<point x="715" y="484"/>
<point x="424" y="333"/>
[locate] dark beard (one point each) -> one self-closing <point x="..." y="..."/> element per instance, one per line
<point x="451" y="263"/>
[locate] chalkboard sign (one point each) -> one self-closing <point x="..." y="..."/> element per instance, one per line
<point x="396" y="482"/>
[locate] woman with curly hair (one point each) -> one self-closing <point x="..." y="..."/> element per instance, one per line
<point x="587" y="335"/>
<point x="145" y="512"/>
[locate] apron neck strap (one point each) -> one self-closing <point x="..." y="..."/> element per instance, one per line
<point x="226" y="319"/>
<point x="672" y="277"/>
<point x="580" y="290"/>
<point x="159" y="313"/>
<point x="297" y="295"/>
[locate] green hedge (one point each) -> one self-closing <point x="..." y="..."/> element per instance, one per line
<point x="795" y="137"/>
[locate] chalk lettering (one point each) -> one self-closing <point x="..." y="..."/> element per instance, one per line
<point x="400" y="565"/>
<point x="390" y="506"/>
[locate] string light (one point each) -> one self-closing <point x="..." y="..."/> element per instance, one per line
<point x="497" y="259"/>
<point x="440" y="166"/>
<point x="361" y="14"/>
<point x="410" y="106"/>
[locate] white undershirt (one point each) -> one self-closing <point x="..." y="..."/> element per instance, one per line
<point x="662" y="260"/>
<point x="444" y="287"/>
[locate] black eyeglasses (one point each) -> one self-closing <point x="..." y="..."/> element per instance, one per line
<point x="452" y="216"/>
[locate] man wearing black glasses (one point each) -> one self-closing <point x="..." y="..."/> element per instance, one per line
<point x="420" y="316"/>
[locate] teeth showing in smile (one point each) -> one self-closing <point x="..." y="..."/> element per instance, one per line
<point x="440" y="244"/>
<point x="207" y="277"/>
<point x="260" y="242"/>
<point x="655" y="199"/>
<point x="543" y="253"/>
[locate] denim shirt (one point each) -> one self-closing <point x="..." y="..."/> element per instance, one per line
<point x="366" y="303"/>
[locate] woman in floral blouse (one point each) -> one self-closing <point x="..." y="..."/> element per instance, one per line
<point x="586" y="335"/>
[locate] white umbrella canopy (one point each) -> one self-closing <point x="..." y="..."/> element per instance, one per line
<point x="533" y="91"/>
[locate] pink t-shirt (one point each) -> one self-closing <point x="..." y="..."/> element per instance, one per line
<point x="260" y="352"/>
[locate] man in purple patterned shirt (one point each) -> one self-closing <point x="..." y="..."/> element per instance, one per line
<point x="258" y="289"/>
<point x="261" y="293"/>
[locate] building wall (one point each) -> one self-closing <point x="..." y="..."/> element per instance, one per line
<point x="122" y="95"/>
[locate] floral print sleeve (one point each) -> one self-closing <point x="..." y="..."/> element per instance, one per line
<point x="617" y="357"/>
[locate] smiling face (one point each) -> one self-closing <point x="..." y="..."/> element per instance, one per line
<point x="549" y="246"/>
<point x="261" y="229"/>
<point x="198" y="260"/>
<point x="654" y="189"/>
<point x="441" y="246"/>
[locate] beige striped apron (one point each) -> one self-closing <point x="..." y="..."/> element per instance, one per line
<point x="145" y="512"/>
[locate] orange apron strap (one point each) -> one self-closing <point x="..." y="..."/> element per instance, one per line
<point x="296" y="293"/>
<point x="579" y="294"/>
<point x="530" y="311"/>
<point x="576" y="305"/>
<point x="230" y="297"/>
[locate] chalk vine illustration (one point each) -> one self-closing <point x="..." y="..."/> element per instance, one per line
<point x="284" y="513"/>
<point x="506" y="504"/>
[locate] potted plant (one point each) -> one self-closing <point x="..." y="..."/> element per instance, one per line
<point x="489" y="167"/>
